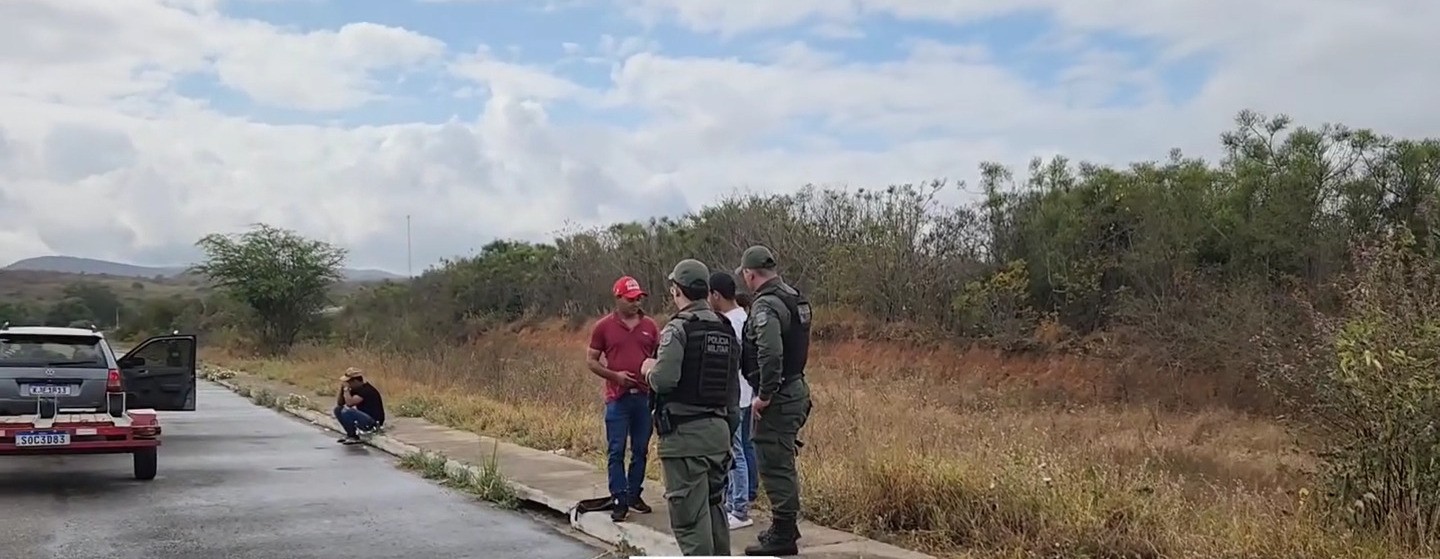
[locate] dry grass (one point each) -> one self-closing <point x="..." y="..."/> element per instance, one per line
<point x="949" y="453"/>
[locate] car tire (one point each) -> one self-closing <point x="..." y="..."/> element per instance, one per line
<point x="146" y="464"/>
<point x="48" y="409"/>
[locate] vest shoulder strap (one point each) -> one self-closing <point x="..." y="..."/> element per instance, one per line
<point x="692" y="316"/>
<point x="784" y="303"/>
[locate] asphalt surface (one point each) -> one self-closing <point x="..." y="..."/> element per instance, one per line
<point x="238" y="481"/>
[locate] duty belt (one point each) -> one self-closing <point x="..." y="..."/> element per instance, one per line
<point x="678" y="420"/>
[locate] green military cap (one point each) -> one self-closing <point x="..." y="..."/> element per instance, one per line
<point x="757" y="257"/>
<point x="691" y="273"/>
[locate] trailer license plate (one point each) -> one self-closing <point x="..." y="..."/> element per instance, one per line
<point x="42" y="438"/>
<point x="49" y="389"/>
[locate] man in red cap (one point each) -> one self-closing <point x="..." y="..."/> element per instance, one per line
<point x="625" y="338"/>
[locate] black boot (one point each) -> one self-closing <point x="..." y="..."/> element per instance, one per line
<point x="778" y="540"/>
<point x="765" y="534"/>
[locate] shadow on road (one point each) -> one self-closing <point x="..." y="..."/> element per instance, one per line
<point x="36" y="481"/>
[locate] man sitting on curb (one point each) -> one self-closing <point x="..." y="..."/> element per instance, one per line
<point x="359" y="406"/>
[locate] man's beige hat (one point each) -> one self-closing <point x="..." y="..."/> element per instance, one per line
<point x="352" y="372"/>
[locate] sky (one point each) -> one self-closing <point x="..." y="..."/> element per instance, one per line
<point x="129" y="129"/>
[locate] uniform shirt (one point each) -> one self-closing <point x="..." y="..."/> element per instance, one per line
<point x="625" y="350"/>
<point x="737" y="319"/>
<point x="694" y="438"/>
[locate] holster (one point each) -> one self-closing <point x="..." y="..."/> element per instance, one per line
<point x="664" y="422"/>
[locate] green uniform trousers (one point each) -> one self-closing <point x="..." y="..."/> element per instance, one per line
<point x="695" y="489"/>
<point x="775" y="450"/>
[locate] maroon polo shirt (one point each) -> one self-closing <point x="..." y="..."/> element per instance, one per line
<point x="625" y="349"/>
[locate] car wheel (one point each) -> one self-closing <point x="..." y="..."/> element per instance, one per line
<point x="146" y="464"/>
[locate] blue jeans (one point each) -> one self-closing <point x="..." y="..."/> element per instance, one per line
<point x="627" y="419"/>
<point x="352" y="419"/>
<point x="744" y="481"/>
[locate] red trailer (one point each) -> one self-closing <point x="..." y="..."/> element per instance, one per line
<point x="136" y="433"/>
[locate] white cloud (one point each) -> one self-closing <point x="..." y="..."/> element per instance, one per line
<point x="93" y="123"/>
<point x="95" y="51"/>
<point x="509" y="79"/>
<point x="319" y="70"/>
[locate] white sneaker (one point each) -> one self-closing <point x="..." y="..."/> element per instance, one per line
<point x="738" y="523"/>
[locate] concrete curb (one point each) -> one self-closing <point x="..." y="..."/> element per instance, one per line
<point x="597" y="525"/>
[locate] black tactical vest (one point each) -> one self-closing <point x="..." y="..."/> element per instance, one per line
<point x="795" y="342"/>
<point x="749" y="360"/>
<point x="707" y="373"/>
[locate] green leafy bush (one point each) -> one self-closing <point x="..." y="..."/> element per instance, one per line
<point x="1366" y="383"/>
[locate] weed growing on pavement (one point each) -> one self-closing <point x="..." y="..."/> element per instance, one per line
<point x="212" y="373"/>
<point x="486" y="482"/>
<point x="490" y="485"/>
<point x="266" y="398"/>
<point x="625" y="549"/>
<point x="299" y="401"/>
<point x="430" y="465"/>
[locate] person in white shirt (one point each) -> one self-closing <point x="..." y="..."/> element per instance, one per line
<point x="743" y="477"/>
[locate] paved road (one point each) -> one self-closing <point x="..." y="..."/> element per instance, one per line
<point x="239" y="481"/>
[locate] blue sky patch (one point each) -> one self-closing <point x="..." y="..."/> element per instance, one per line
<point x="567" y="41"/>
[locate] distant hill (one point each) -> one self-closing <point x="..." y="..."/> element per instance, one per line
<point x="91" y="266"/>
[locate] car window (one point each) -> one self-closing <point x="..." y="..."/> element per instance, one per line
<point x="18" y="350"/>
<point x="165" y="353"/>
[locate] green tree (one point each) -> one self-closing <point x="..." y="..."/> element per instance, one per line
<point x="70" y="311"/>
<point x="19" y="313"/>
<point x="102" y="301"/>
<point x="283" y="279"/>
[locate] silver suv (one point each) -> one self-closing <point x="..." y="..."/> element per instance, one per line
<point x="47" y="370"/>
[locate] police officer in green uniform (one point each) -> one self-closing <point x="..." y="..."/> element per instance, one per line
<point x="776" y="346"/>
<point x="695" y="387"/>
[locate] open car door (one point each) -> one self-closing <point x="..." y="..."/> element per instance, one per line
<point x="160" y="374"/>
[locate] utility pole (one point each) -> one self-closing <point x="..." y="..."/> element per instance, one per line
<point x="409" y="271"/>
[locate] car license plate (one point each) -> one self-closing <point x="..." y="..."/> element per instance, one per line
<point x="49" y="390"/>
<point x="42" y="438"/>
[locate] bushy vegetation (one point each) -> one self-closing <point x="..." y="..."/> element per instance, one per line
<point x="1366" y="381"/>
<point x="1241" y="269"/>
<point x="129" y="316"/>
<point x="1182" y="258"/>
<point x="79" y="303"/>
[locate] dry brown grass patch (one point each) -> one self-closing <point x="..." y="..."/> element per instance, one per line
<point x="947" y="451"/>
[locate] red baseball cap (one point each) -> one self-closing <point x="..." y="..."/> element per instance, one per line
<point x="628" y="288"/>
